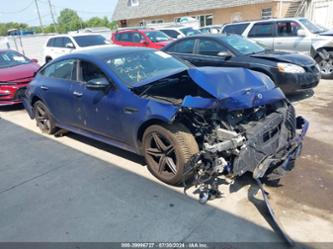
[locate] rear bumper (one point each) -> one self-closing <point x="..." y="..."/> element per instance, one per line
<point x="28" y="108"/>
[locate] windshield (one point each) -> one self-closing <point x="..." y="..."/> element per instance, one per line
<point x="242" y="45"/>
<point x="313" y="28"/>
<point x="157" y="36"/>
<point x="190" y="31"/>
<point x="90" y="40"/>
<point x="137" y="67"/>
<point x="12" y="58"/>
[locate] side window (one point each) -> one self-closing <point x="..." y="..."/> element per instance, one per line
<point x="90" y="72"/>
<point x="59" y="42"/>
<point x="123" y="37"/>
<point x="65" y="69"/>
<point x="171" y="33"/>
<point x="237" y="29"/>
<point x="67" y="41"/>
<point x="288" y="28"/>
<point x="210" y="47"/>
<point x="50" y="43"/>
<point x="185" y="46"/>
<point x="136" y="37"/>
<point x="265" y="29"/>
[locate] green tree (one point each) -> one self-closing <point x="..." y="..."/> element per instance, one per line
<point x="69" y="20"/>
<point x="98" y="22"/>
<point x="4" y="27"/>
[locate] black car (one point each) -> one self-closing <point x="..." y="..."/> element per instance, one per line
<point x="292" y="72"/>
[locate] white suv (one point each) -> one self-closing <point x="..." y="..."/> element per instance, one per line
<point x="292" y="34"/>
<point x="64" y="44"/>
<point x="180" y="32"/>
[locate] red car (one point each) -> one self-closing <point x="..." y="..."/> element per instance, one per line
<point x="16" y="71"/>
<point x="141" y="38"/>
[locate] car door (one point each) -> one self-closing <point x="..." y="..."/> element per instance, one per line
<point x="209" y="52"/>
<point x="287" y="37"/>
<point x="97" y="110"/>
<point x="263" y="33"/>
<point x="56" y="83"/>
<point x="58" y="47"/>
<point x="184" y="49"/>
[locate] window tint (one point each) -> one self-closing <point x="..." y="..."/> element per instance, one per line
<point x="59" y="42"/>
<point x="90" y="40"/>
<point x="171" y="33"/>
<point x="66" y="41"/>
<point x="237" y="29"/>
<point x="135" y="37"/>
<point x="288" y="28"/>
<point x="61" y="70"/>
<point x="50" y="43"/>
<point x="90" y="72"/>
<point x="185" y="46"/>
<point x="262" y="30"/>
<point x="210" y="47"/>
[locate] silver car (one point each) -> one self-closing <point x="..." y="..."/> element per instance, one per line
<point x="291" y="34"/>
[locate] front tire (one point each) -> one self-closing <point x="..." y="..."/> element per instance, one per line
<point x="167" y="149"/>
<point x="44" y="119"/>
<point x="326" y="66"/>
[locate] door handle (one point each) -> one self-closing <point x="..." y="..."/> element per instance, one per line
<point x="45" y="88"/>
<point x="77" y="94"/>
<point x="130" y="110"/>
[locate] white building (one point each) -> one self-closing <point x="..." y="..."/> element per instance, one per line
<point x="319" y="11"/>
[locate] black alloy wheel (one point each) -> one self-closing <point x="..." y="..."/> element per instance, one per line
<point x="43" y="118"/>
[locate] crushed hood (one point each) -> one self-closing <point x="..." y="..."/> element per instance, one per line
<point x="234" y="88"/>
<point x="281" y="56"/>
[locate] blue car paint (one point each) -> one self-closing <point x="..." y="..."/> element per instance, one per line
<point x="103" y="116"/>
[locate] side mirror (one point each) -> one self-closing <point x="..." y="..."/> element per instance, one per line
<point x="98" y="84"/>
<point x="225" y="54"/>
<point x="70" y="45"/>
<point x="179" y="36"/>
<point x="301" y="32"/>
<point x="34" y="61"/>
<point x="144" y="42"/>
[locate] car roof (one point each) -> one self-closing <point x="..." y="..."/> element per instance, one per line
<point x="74" y="35"/>
<point x="267" y="20"/>
<point x="109" y="51"/>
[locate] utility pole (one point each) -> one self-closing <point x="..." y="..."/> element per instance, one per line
<point x="39" y="16"/>
<point x="52" y="15"/>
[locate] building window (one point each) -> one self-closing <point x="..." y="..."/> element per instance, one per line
<point x="133" y="3"/>
<point x="266" y="13"/>
<point x="157" y="21"/>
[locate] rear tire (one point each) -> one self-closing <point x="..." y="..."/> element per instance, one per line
<point x="167" y="149"/>
<point x="44" y="119"/>
<point x="326" y="66"/>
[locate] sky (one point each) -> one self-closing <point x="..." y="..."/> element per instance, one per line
<point x="25" y="10"/>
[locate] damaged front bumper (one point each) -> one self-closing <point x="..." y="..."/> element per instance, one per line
<point x="275" y="167"/>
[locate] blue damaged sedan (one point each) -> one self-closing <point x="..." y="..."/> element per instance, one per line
<point x="186" y="121"/>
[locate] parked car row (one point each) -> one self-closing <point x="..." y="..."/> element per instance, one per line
<point x="290" y="34"/>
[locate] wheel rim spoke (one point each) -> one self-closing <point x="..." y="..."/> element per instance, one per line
<point x="159" y="142"/>
<point x="161" y="164"/>
<point x="154" y="152"/>
<point x="171" y="165"/>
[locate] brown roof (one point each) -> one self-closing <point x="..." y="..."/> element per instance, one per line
<point x="149" y="8"/>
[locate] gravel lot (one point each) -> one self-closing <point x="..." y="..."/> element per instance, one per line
<point x="75" y="189"/>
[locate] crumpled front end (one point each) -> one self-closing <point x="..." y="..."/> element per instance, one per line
<point x="263" y="140"/>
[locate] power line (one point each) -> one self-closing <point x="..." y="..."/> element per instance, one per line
<point x="18" y="11"/>
<point x="52" y="15"/>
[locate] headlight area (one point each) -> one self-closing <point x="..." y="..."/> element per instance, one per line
<point x="290" y="68"/>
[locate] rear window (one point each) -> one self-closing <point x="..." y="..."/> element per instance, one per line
<point x="90" y="40"/>
<point x="237" y="29"/>
<point x="50" y="43"/>
<point x="171" y="33"/>
<point x="265" y="29"/>
<point x="183" y="46"/>
<point x="59" y="42"/>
